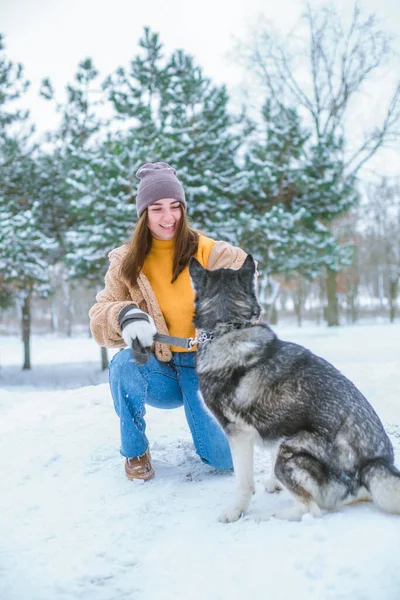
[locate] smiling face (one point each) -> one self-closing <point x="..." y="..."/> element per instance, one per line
<point x="163" y="217"/>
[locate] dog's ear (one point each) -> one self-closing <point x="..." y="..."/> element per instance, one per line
<point x="247" y="272"/>
<point x="249" y="266"/>
<point x="197" y="272"/>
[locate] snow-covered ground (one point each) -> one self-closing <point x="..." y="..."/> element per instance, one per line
<point x="73" y="527"/>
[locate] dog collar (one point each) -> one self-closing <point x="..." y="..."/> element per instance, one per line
<point x="202" y="336"/>
<point x="171" y="340"/>
<point x="205" y="336"/>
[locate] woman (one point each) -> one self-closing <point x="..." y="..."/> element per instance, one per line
<point x="148" y="290"/>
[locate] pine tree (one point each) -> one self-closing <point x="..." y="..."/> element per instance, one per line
<point x="103" y="211"/>
<point x="342" y="58"/>
<point x="171" y="112"/>
<point x="286" y="200"/>
<point x="24" y="263"/>
<point x="23" y="248"/>
<point x="103" y="185"/>
<point x="13" y="85"/>
<point x="274" y="160"/>
<point x="203" y="140"/>
<point x="136" y="96"/>
<point x="73" y="146"/>
<point x="328" y="194"/>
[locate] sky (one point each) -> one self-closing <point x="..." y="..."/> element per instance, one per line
<point x="74" y="528"/>
<point x="50" y="38"/>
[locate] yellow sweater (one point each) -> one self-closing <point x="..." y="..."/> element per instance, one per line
<point x="176" y="299"/>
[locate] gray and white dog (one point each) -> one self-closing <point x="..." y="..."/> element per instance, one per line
<point x="329" y="445"/>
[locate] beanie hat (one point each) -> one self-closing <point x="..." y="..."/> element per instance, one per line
<point x="157" y="180"/>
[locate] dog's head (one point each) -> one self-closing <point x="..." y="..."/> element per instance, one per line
<point x="224" y="295"/>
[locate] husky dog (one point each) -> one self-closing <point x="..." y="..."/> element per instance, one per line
<point x="330" y="446"/>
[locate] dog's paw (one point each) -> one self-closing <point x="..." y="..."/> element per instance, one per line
<point x="297" y="512"/>
<point x="272" y="485"/>
<point x="294" y="513"/>
<point x="230" y="515"/>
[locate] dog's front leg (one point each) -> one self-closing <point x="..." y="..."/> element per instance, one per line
<point x="272" y="484"/>
<point x="241" y="446"/>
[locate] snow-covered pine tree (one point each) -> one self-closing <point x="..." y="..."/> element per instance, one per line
<point x="74" y="146"/>
<point x="273" y="161"/>
<point x="105" y="184"/>
<point x="136" y="96"/>
<point x="282" y="231"/>
<point x="71" y="148"/>
<point x="99" y="184"/>
<point x="203" y="139"/>
<point x="285" y="205"/>
<point x="104" y="210"/>
<point x="23" y="248"/>
<point x="13" y="85"/>
<point x="171" y="112"/>
<point x="343" y="55"/>
<point x="24" y="262"/>
<point x="326" y="193"/>
<point x="329" y="194"/>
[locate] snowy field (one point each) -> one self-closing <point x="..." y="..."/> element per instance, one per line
<point x="73" y="527"/>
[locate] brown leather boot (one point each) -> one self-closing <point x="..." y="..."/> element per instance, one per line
<point x="139" y="467"/>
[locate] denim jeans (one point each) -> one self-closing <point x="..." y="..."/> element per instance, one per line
<point x="164" y="385"/>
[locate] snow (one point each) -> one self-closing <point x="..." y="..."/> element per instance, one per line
<point x="72" y="526"/>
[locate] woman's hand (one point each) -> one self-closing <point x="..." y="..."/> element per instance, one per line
<point x="137" y="329"/>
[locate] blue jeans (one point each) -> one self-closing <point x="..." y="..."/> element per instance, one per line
<point x="164" y="385"/>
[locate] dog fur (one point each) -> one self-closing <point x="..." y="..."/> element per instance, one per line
<point x="330" y="446"/>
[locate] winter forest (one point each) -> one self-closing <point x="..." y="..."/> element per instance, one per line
<point x="280" y="174"/>
<point x="287" y="147"/>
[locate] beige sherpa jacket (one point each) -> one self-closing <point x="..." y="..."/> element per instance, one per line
<point x="119" y="293"/>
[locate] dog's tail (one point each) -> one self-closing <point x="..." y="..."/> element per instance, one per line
<point x="382" y="480"/>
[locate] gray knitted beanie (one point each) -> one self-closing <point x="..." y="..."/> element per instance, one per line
<point x="157" y="181"/>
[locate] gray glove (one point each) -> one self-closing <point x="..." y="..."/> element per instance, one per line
<point x="137" y="329"/>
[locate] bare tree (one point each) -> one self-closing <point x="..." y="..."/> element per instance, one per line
<point x="381" y="242"/>
<point x="324" y="73"/>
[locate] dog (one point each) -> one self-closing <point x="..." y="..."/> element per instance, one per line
<point x="329" y="444"/>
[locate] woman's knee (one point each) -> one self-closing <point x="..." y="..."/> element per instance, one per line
<point x="127" y="386"/>
<point x="121" y="358"/>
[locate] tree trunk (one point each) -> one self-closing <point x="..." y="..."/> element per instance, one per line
<point x="354" y="307"/>
<point x="274" y="316"/>
<point x="393" y="290"/>
<point x="66" y="286"/>
<point x="53" y="313"/>
<point x="267" y="295"/>
<point x="381" y="288"/>
<point x="332" y="309"/>
<point x="26" y="331"/>
<point x="321" y="300"/>
<point x="351" y="302"/>
<point x="104" y="359"/>
<point x="299" y="302"/>
<point x="354" y="278"/>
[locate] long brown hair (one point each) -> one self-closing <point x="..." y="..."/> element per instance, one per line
<point x="186" y="244"/>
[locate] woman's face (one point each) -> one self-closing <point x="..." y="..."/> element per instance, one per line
<point x="163" y="217"/>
